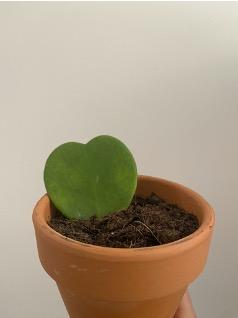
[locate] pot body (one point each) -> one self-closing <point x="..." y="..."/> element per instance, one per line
<point x="101" y="282"/>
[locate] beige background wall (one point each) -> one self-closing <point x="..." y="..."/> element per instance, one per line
<point x="162" y="77"/>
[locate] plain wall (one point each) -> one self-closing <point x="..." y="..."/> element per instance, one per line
<point x="162" y="77"/>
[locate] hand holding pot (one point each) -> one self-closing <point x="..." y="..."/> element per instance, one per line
<point x="185" y="309"/>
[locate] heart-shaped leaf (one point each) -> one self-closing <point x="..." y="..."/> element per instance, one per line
<point x="96" y="178"/>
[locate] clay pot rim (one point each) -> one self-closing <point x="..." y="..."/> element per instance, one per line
<point x="162" y="251"/>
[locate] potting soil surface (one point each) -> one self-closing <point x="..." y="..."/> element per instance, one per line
<point x="146" y="222"/>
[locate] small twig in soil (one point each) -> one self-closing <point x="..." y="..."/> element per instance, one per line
<point x="137" y="229"/>
<point x="129" y="222"/>
<point x="149" y="230"/>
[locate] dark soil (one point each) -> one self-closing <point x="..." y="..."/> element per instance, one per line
<point x="147" y="222"/>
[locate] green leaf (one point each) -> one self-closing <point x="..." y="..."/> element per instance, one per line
<point x="96" y="178"/>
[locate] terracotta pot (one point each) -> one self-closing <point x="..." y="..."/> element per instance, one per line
<point x="102" y="282"/>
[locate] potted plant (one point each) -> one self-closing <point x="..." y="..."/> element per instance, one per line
<point x="89" y="186"/>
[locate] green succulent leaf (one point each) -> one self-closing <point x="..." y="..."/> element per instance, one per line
<point x="96" y="178"/>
